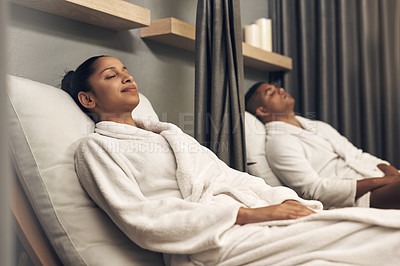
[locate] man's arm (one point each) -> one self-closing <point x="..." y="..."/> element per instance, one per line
<point x="366" y="162"/>
<point x="271" y="195"/>
<point x="388" y="170"/>
<point x="367" y="185"/>
<point x="288" y="160"/>
<point x="391" y="175"/>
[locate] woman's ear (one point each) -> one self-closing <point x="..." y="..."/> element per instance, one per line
<point x="86" y="99"/>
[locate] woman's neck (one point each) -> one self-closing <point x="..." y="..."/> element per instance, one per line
<point x="122" y="119"/>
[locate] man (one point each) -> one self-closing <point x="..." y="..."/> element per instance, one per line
<point x="316" y="161"/>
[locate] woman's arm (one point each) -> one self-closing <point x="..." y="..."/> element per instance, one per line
<point x="271" y="195"/>
<point x="168" y="225"/>
<point x="289" y="209"/>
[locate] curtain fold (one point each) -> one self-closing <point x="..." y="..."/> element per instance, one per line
<point x="346" y="67"/>
<point x="219" y="95"/>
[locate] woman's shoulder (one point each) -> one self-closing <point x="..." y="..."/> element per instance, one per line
<point x="94" y="140"/>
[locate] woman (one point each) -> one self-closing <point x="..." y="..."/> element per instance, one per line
<point x="171" y="195"/>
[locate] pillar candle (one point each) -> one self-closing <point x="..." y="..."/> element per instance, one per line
<point x="252" y="35"/>
<point x="265" y="27"/>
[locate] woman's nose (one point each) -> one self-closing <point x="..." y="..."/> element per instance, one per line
<point x="281" y="90"/>
<point x="127" y="78"/>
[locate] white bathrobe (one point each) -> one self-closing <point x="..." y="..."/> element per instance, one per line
<point x="171" y="195"/>
<point x="318" y="162"/>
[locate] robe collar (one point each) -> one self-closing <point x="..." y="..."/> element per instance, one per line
<point x="281" y="128"/>
<point x="145" y="128"/>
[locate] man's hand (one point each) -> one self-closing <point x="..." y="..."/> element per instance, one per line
<point x="388" y="170"/>
<point x="370" y="184"/>
<point x="289" y="209"/>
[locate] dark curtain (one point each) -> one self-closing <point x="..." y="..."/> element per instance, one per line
<point x="219" y="95"/>
<point x="346" y="67"/>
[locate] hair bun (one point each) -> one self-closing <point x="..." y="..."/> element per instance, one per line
<point x="67" y="81"/>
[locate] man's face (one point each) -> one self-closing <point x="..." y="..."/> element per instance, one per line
<point x="275" y="101"/>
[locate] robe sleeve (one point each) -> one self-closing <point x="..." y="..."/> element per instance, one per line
<point x="287" y="159"/>
<point x="169" y="225"/>
<point x="363" y="159"/>
<point x="270" y="195"/>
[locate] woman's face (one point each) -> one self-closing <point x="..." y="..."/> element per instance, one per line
<point x="114" y="91"/>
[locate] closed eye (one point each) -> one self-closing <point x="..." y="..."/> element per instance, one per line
<point x="110" y="77"/>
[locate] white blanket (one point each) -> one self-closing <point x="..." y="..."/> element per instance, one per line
<point x="190" y="212"/>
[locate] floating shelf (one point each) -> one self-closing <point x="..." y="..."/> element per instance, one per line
<point x="111" y="14"/>
<point x="180" y="34"/>
<point x="261" y="59"/>
<point x="171" y="31"/>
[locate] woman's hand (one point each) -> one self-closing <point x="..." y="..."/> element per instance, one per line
<point x="289" y="209"/>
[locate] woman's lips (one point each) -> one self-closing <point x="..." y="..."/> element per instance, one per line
<point x="130" y="89"/>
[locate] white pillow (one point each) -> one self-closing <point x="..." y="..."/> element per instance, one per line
<point x="257" y="163"/>
<point x="144" y="110"/>
<point x="45" y="128"/>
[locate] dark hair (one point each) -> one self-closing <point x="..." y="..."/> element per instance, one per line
<point x="251" y="91"/>
<point x="78" y="80"/>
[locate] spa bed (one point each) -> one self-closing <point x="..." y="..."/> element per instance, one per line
<point x="55" y="219"/>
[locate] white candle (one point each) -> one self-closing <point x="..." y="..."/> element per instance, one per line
<point x="265" y="27"/>
<point x="252" y="35"/>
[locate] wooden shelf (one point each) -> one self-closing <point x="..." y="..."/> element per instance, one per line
<point x="171" y="31"/>
<point x="261" y="59"/>
<point x="111" y="14"/>
<point x="180" y="34"/>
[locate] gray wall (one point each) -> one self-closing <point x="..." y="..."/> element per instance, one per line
<point x="6" y="243"/>
<point x="42" y="47"/>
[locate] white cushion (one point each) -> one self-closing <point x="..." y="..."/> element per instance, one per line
<point x="45" y="128"/>
<point x="257" y="163"/>
<point x="144" y="110"/>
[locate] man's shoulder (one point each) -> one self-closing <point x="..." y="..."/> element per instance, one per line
<point x="315" y="125"/>
<point x="281" y="141"/>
